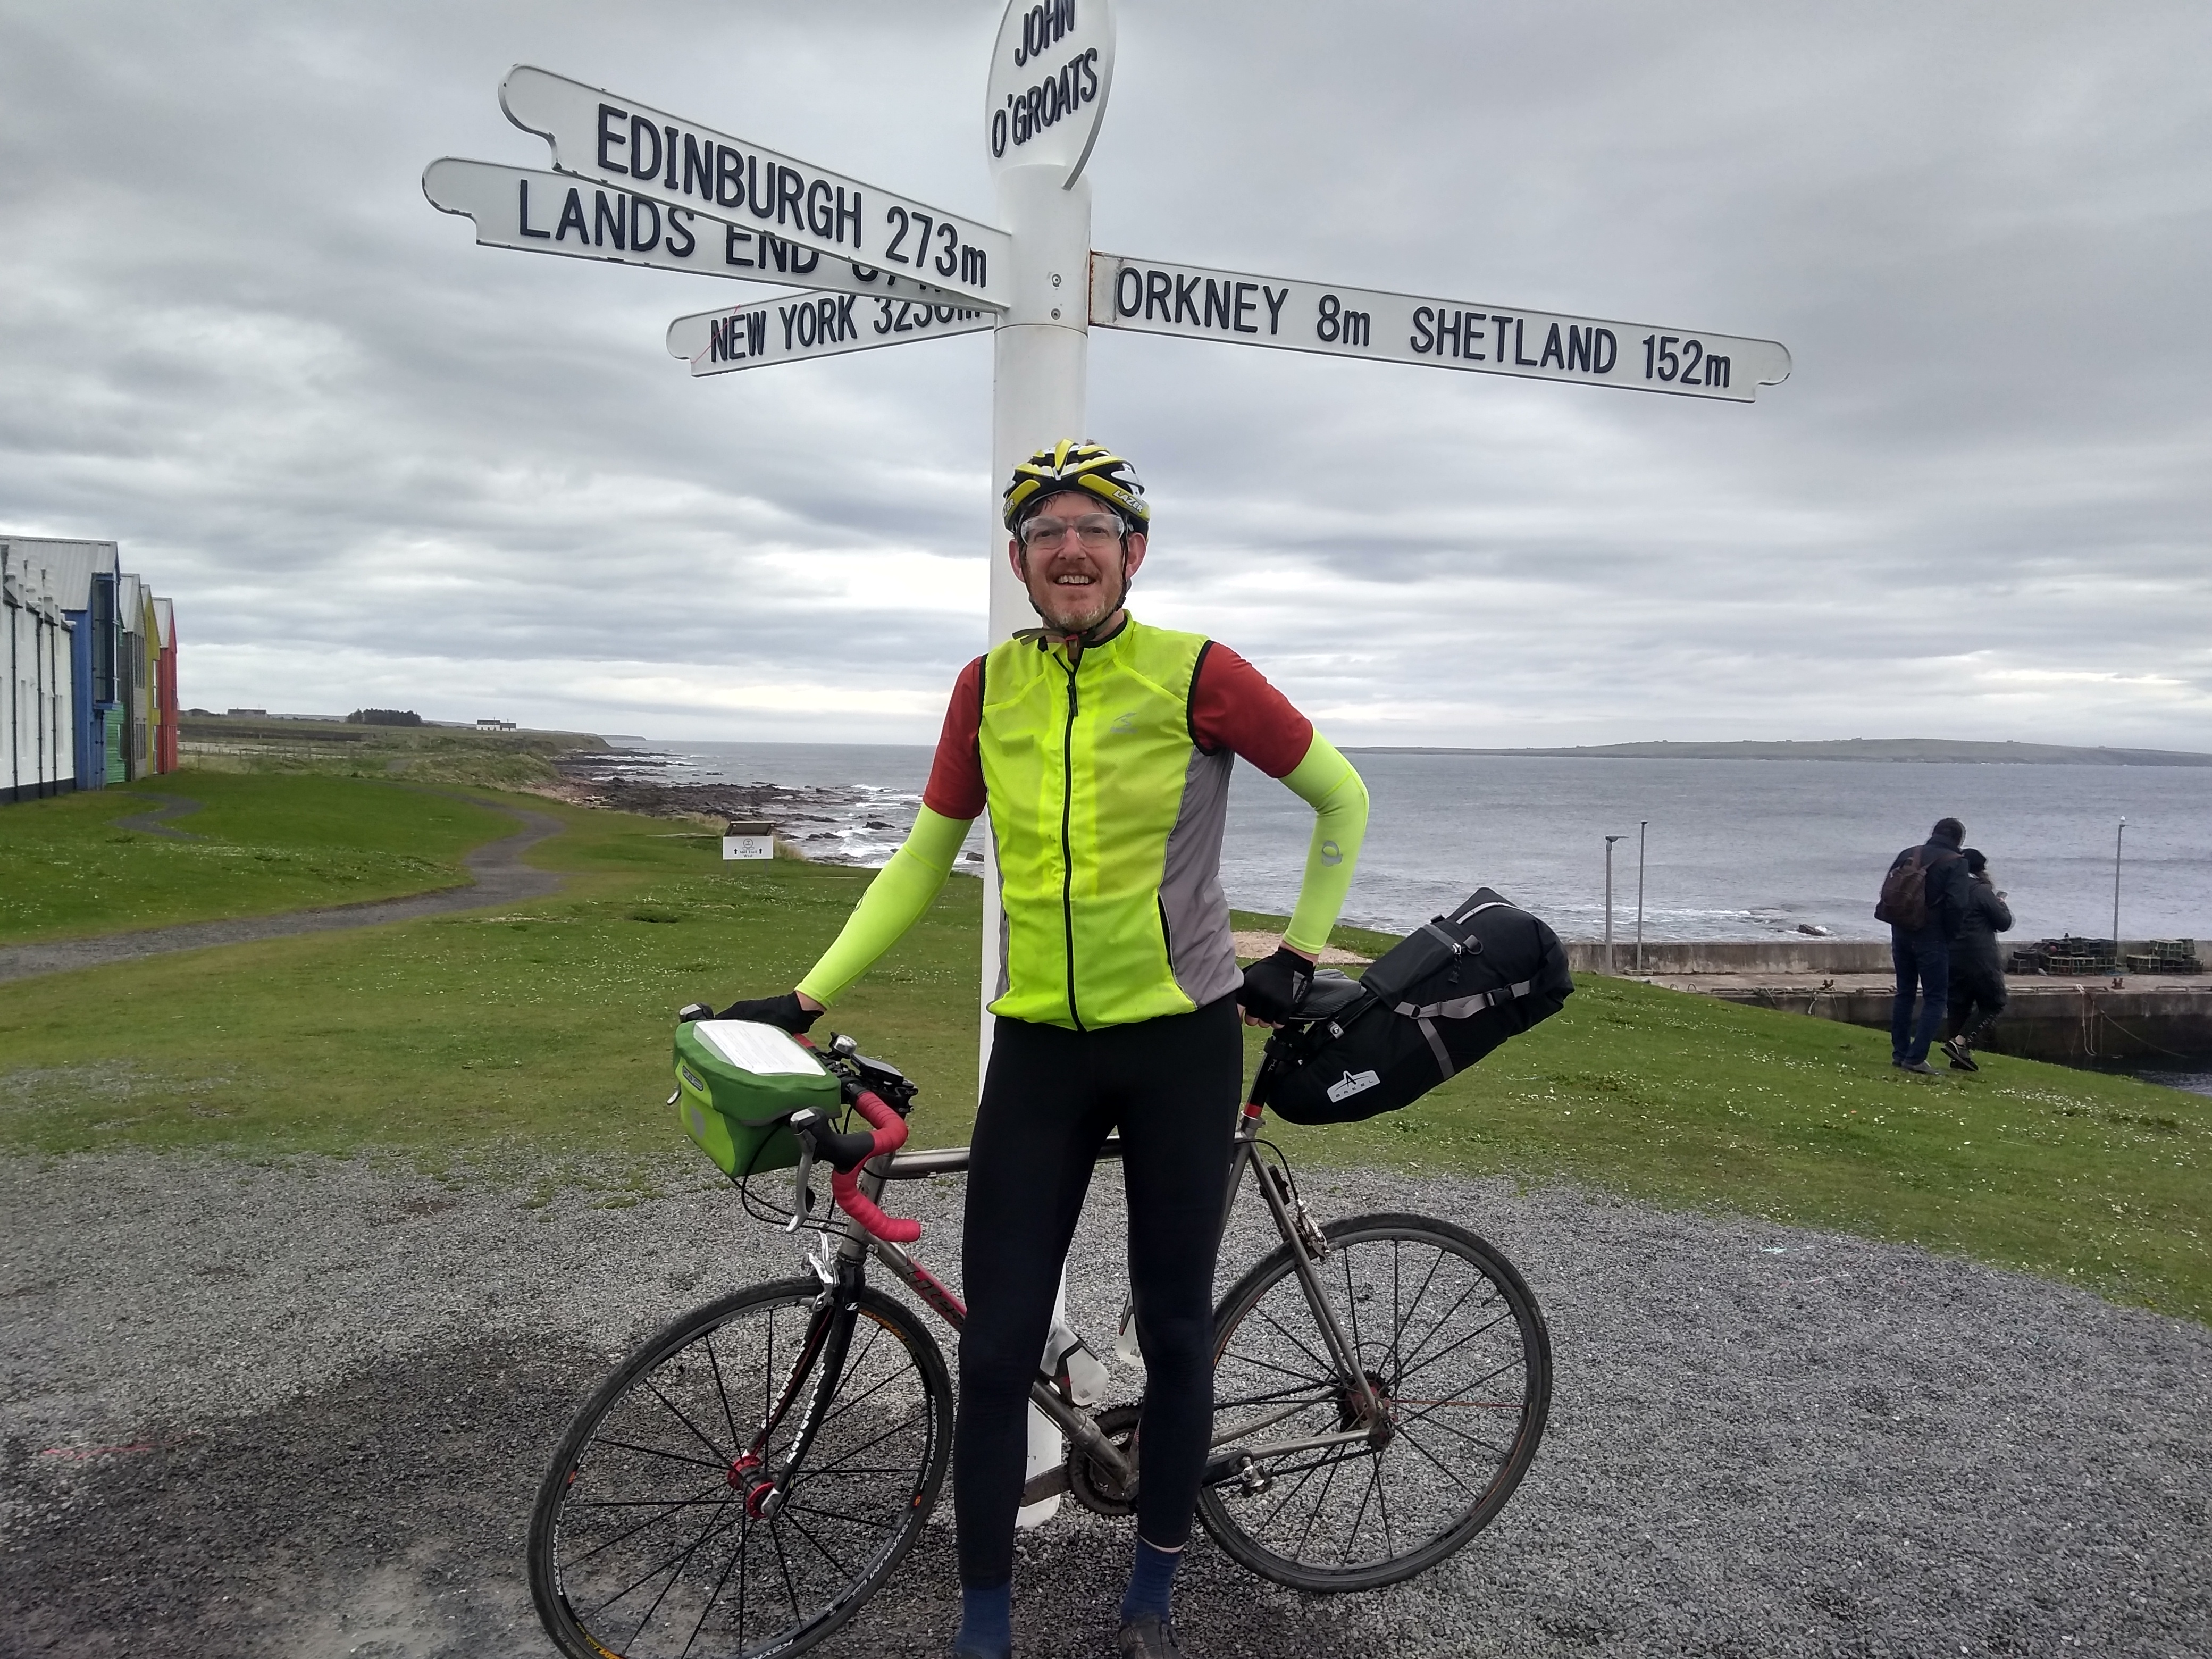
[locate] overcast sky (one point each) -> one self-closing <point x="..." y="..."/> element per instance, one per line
<point x="375" y="464"/>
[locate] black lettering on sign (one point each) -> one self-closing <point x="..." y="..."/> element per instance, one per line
<point x="698" y="168"/>
<point x="522" y="212"/>
<point x="1552" y="352"/>
<point x="610" y="136"/>
<point x="948" y="262"/>
<point x="1504" y="323"/>
<point x="1159" y="296"/>
<point x="679" y="224"/>
<point x="884" y="313"/>
<point x="1451" y="333"/>
<point x="975" y="266"/>
<point x="1716" y="369"/>
<point x="640" y="130"/>
<point x="607" y="217"/>
<point x="1473" y="337"/>
<point x="790" y="190"/>
<point x="729" y="177"/>
<point x="818" y="213"/>
<point x="1422" y="339"/>
<point x="639" y="241"/>
<point x="788" y="314"/>
<point x="852" y="213"/>
<point x="671" y="134"/>
<point x="1605" y="350"/>
<point x="731" y="237"/>
<point x="852" y="331"/>
<point x="905" y="224"/>
<point x="1520" y="323"/>
<point x="1578" y="349"/>
<point x="1216" y="303"/>
<point x="1245" y="308"/>
<point x="760" y="205"/>
<point x="1274" y="307"/>
<point x="1128" y="303"/>
<point x="572" y="215"/>
<point x="1186" y="299"/>
<point x="1090" y="61"/>
<point x="1693" y="358"/>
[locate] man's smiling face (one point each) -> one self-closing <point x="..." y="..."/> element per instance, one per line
<point x="1076" y="583"/>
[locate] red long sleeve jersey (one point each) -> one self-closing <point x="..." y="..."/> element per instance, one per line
<point x="1232" y="706"/>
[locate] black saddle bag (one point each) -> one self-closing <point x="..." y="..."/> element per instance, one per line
<point x="1430" y="1007"/>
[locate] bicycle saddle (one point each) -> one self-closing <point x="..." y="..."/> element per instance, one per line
<point x="1330" y="993"/>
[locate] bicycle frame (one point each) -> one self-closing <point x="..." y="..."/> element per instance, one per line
<point x="841" y="1263"/>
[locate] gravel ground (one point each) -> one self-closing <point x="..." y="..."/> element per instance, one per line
<point x="498" y="875"/>
<point x="301" y="1409"/>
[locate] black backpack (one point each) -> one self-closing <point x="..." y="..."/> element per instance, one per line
<point x="1430" y="1007"/>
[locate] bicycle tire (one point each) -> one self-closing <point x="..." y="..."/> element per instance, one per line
<point x="1271" y="1357"/>
<point x="635" y="1450"/>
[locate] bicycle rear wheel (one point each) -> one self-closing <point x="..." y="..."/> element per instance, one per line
<point x="674" y="1520"/>
<point x="1455" y="1344"/>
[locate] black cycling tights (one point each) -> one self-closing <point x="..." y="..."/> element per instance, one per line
<point x="1170" y="1085"/>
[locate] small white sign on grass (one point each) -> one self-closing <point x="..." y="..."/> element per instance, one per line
<point x="750" y="839"/>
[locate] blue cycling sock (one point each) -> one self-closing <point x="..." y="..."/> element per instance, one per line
<point x="1151" y="1581"/>
<point x="987" y="1623"/>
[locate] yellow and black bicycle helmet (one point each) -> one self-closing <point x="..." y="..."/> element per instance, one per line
<point x="1078" y="464"/>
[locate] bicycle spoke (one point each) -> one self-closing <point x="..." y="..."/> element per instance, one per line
<point x="1479" y="1330"/>
<point x="715" y="1596"/>
<point x="654" y="1388"/>
<point x="673" y="1577"/>
<point x="1500" y="1452"/>
<point x="1374" y="1475"/>
<point x="1328" y="1366"/>
<point x="650" y="1520"/>
<point x="783" y="1563"/>
<point x="1414" y="1442"/>
<point x="791" y="1503"/>
<point x="857" y="1399"/>
<point x="655" y="1571"/>
<point x="721" y="1393"/>
<point x="913" y="1417"/>
<point x="673" y="1457"/>
<point x="1351" y="1306"/>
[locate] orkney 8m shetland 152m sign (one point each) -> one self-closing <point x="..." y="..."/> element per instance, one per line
<point x="618" y="141"/>
<point x="1050" y="72"/>
<point x="1156" y="298"/>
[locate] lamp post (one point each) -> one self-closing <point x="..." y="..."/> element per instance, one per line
<point x="2119" y="957"/>
<point x="1641" y="824"/>
<point x="1609" y="840"/>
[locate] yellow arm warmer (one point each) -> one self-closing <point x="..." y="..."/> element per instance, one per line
<point x="894" y="902"/>
<point x="1324" y="780"/>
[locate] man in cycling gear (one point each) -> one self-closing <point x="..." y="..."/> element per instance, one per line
<point x="1103" y="747"/>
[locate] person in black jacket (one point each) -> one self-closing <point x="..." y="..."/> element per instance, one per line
<point x="1977" y="985"/>
<point x="1922" y="954"/>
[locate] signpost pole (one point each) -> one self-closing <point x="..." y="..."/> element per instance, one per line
<point x="1609" y="840"/>
<point x="1039" y="377"/>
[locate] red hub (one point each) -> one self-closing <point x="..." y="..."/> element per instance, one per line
<point x="742" y="1471"/>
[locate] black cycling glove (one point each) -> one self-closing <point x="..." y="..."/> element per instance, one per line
<point x="786" y="1012"/>
<point x="1274" y="987"/>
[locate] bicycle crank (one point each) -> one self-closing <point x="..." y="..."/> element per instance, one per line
<point x="1095" y="1486"/>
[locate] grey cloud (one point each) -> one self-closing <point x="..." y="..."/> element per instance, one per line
<point x="357" y="448"/>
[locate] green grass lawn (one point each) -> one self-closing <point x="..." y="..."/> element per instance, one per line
<point x="260" y="844"/>
<point x="548" y="1026"/>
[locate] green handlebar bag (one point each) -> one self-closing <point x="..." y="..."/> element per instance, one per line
<point x="736" y="1084"/>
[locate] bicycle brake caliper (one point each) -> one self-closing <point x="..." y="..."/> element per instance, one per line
<point x="1311" y="1236"/>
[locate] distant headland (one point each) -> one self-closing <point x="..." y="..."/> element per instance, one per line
<point x="1841" y="748"/>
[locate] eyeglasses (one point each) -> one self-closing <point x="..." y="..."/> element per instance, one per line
<point x="1099" y="531"/>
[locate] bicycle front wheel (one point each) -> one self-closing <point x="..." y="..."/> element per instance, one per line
<point x="1455" y="1348"/>
<point x="745" y="1481"/>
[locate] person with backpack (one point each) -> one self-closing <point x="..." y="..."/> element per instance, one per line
<point x="1923" y="900"/>
<point x="1977" y="984"/>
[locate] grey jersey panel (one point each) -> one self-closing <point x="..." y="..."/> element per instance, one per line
<point x="1200" y="949"/>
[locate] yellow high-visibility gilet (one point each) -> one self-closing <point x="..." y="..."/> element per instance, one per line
<point x="1107" y="818"/>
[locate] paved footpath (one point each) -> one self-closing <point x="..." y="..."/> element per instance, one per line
<point x="498" y="875"/>
<point x="300" y="1409"/>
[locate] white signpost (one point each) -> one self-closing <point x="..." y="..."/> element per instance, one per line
<point x="635" y="185"/>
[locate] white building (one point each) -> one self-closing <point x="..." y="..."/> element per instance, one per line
<point x="38" y="714"/>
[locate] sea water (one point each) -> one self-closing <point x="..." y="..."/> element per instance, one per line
<point x="1733" y="849"/>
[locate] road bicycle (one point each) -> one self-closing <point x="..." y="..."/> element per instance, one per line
<point x="752" y="1473"/>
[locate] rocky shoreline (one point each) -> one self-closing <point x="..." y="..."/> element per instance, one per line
<point x="826" y="823"/>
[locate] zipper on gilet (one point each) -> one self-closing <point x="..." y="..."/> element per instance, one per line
<point x="1066" y="840"/>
